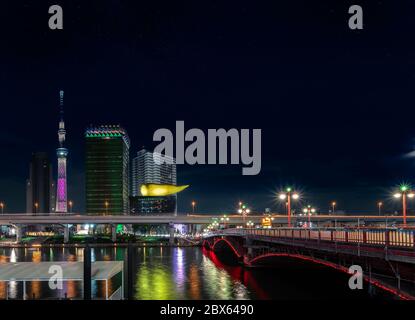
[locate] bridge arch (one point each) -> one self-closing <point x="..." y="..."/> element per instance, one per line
<point x="331" y="265"/>
<point x="227" y="242"/>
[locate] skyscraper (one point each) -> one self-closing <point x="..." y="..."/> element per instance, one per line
<point x="146" y="170"/>
<point x="40" y="186"/>
<point x="62" y="153"/>
<point x="107" y="167"/>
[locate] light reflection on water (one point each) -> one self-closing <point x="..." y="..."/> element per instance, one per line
<point x="161" y="273"/>
<point x="183" y="273"/>
<point x="175" y="273"/>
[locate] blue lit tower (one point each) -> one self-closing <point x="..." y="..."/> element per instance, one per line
<point x="62" y="153"/>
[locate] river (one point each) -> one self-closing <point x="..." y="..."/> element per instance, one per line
<point x="186" y="273"/>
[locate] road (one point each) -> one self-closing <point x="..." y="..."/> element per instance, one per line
<point x="7" y="219"/>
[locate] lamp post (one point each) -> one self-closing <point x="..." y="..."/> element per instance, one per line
<point x="70" y="206"/>
<point x="215" y="224"/>
<point x="106" y="203"/>
<point x="36" y="206"/>
<point x="224" y="220"/>
<point x="193" y="206"/>
<point x="244" y="211"/>
<point x="333" y="206"/>
<point x="287" y="195"/>
<point x="380" y="204"/>
<point x="249" y="224"/>
<point x="404" y="192"/>
<point x="2" y="207"/>
<point x="309" y="210"/>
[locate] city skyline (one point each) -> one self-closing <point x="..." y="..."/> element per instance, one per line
<point x="387" y="203"/>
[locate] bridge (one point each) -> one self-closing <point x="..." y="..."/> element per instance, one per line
<point x="76" y="218"/>
<point x="23" y="219"/>
<point x="387" y="256"/>
<point x="48" y="219"/>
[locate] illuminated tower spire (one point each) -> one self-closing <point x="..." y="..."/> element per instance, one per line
<point x="62" y="153"/>
<point x="61" y="132"/>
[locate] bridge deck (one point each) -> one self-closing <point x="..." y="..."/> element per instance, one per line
<point x="387" y="244"/>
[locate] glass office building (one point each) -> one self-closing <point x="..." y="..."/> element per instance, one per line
<point x="145" y="170"/>
<point x="107" y="167"/>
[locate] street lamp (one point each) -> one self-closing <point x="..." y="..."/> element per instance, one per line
<point x="215" y="224"/>
<point x="380" y="204"/>
<point x="193" y="206"/>
<point x="70" y="206"/>
<point x="287" y="195"/>
<point x="224" y="219"/>
<point x="309" y="210"/>
<point x="249" y="224"/>
<point x="106" y="203"/>
<point x="404" y="191"/>
<point x="244" y="211"/>
<point x="333" y="206"/>
<point x="2" y="207"/>
<point x="36" y="206"/>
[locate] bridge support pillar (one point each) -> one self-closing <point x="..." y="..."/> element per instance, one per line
<point x="114" y="232"/>
<point x="130" y="272"/>
<point x="66" y="234"/>
<point x="248" y="242"/>
<point x="19" y="234"/>
<point x="171" y="232"/>
<point x="87" y="273"/>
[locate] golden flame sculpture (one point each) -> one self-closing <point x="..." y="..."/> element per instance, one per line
<point x="159" y="190"/>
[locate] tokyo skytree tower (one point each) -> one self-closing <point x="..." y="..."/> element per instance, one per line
<point x="62" y="153"/>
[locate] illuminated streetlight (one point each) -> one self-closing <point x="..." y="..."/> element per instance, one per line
<point x="70" y="205"/>
<point x="404" y="192"/>
<point x="36" y="206"/>
<point x="288" y="194"/>
<point x="333" y="206"/>
<point x="244" y="210"/>
<point x="224" y="219"/>
<point x="106" y="203"/>
<point x="2" y="207"/>
<point x="214" y="224"/>
<point x="249" y="224"/>
<point x="380" y="204"/>
<point x="193" y="206"/>
<point x="309" y="210"/>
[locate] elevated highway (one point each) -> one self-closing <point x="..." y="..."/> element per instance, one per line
<point x="74" y="218"/>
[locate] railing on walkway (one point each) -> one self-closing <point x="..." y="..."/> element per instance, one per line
<point x="382" y="237"/>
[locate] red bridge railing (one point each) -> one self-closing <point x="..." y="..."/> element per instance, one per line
<point x="383" y="237"/>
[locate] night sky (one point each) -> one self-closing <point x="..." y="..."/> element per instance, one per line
<point x="336" y="106"/>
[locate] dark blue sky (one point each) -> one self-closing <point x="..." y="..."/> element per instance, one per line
<point x="336" y="106"/>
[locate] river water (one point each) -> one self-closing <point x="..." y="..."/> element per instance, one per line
<point x="186" y="273"/>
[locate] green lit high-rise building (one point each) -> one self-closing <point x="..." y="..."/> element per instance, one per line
<point x="107" y="168"/>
